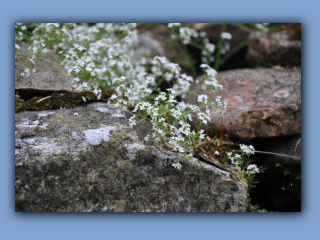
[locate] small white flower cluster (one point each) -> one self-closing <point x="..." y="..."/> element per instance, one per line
<point x="170" y="25"/>
<point x="175" y="129"/>
<point x="183" y="81"/>
<point x="177" y="165"/>
<point x="188" y="33"/>
<point x="253" y="167"/>
<point x="19" y="35"/>
<point x="226" y="35"/>
<point x="248" y="150"/>
<point x="262" y="27"/>
<point x="236" y="159"/>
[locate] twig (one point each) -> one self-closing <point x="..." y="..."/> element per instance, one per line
<point x="43" y="99"/>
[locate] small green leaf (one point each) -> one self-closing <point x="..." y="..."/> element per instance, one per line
<point x="277" y="165"/>
<point x="286" y="172"/>
<point x="24" y="31"/>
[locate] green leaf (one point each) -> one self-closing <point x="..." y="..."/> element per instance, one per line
<point x="24" y="31"/>
<point x="286" y="172"/>
<point x="277" y="165"/>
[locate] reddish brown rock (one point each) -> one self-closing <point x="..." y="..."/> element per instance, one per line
<point x="261" y="102"/>
<point x="277" y="48"/>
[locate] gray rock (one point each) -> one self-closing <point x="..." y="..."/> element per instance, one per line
<point x="48" y="77"/>
<point x="147" y="44"/>
<point x="152" y="40"/>
<point x="93" y="162"/>
<point x="276" y="48"/>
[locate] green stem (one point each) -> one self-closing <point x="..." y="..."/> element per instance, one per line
<point x="217" y="61"/>
<point x="234" y="50"/>
<point x="277" y="154"/>
<point x="48" y="61"/>
<point x="21" y="55"/>
<point x="194" y="44"/>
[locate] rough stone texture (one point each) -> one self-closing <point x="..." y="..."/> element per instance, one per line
<point x="92" y="161"/>
<point x="48" y="77"/>
<point x="261" y="102"/>
<point x="147" y="44"/>
<point x="274" y="49"/>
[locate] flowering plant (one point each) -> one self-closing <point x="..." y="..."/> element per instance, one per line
<point x="103" y="56"/>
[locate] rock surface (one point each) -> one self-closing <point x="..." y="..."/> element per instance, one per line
<point x="152" y="39"/>
<point x="88" y="159"/>
<point x="48" y="77"/>
<point x="276" y="48"/>
<point x="261" y="103"/>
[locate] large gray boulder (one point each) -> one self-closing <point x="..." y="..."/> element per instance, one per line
<point x="88" y="159"/>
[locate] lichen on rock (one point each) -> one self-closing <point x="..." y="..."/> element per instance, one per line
<point x="93" y="162"/>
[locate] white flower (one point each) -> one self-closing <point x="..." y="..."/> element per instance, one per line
<point x="83" y="99"/>
<point x="216" y="152"/>
<point x="226" y="35"/>
<point x="132" y="122"/>
<point x="85" y="85"/>
<point x="253" y="167"/>
<point x="17" y="46"/>
<point x="177" y="165"/>
<point x="170" y="25"/>
<point x="248" y="150"/>
<point x="203" y="98"/>
<point x="75" y="114"/>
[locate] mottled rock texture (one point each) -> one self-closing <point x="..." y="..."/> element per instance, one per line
<point x="261" y="103"/>
<point x="89" y="160"/>
<point x="277" y="48"/>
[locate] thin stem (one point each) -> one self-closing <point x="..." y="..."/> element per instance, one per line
<point x="234" y="50"/>
<point x="217" y="62"/>
<point x="194" y="44"/>
<point x="277" y="154"/>
<point x="48" y="61"/>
